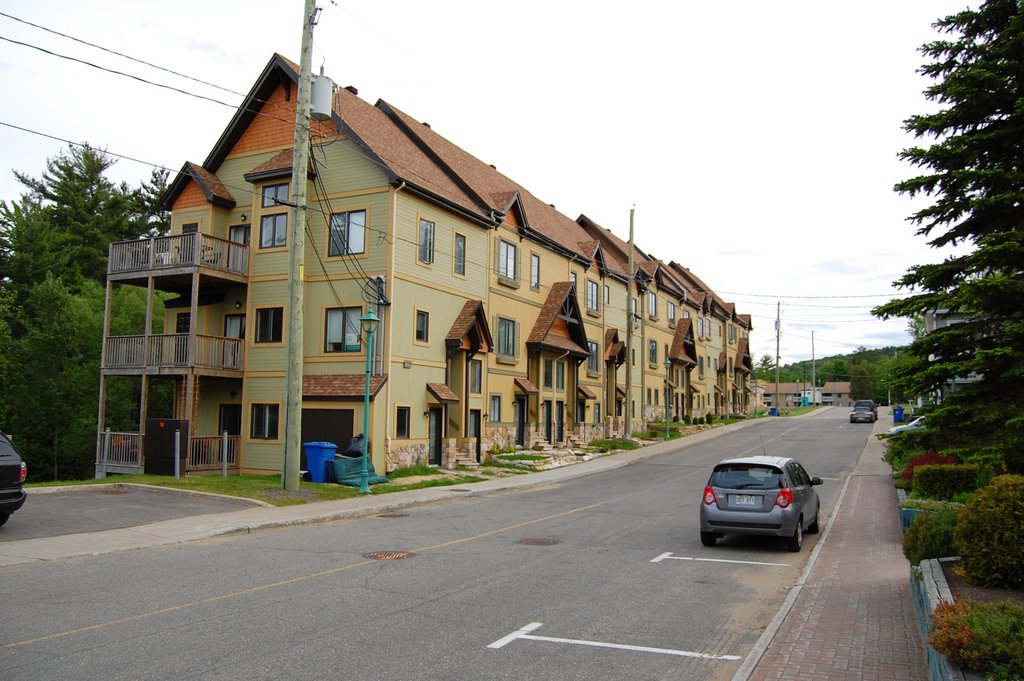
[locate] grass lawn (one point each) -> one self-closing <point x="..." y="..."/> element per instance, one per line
<point x="267" y="488"/>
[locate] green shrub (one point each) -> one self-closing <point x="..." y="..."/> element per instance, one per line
<point x="926" y="459"/>
<point x="688" y="419"/>
<point x="945" y="481"/>
<point x="990" y="534"/>
<point x="930" y="535"/>
<point x="986" y="637"/>
<point x="709" y="418"/>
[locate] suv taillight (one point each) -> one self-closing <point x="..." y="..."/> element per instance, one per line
<point x="24" y="472"/>
<point x="785" y="498"/>
<point x="709" y="496"/>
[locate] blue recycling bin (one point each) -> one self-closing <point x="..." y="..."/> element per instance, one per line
<point x="897" y="414"/>
<point x="773" y="411"/>
<point x="317" y="456"/>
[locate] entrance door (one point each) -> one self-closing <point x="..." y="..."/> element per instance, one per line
<point x="230" y="419"/>
<point x="520" y="419"/>
<point x="436" y="432"/>
<point x="474" y="429"/>
<point x="559" y="421"/>
<point x="546" y="418"/>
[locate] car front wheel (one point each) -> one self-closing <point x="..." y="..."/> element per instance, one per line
<point x="708" y="538"/>
<point x="796" y="542"/>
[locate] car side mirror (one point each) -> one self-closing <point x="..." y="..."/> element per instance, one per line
<point x="817" y="481"/>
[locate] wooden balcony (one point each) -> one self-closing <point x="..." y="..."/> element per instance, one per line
<point x="172" y="353"/>
<point x="177" y="254"/>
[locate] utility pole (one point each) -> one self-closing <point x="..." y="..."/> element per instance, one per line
<point x="778" y="327"/>
<point x="814" y="378"/>
<point x="628" y="429"/>
<point x="296" y="257"/>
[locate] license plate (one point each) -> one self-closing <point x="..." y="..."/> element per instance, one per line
<point x="745" y="500"/>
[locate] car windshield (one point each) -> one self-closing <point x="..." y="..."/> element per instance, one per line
<point x="747" y="476"/>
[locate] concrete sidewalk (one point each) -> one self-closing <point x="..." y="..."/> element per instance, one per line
<point x="852" y="616"/>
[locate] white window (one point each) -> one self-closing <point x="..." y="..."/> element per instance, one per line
<point x="652" y="304"/>
<point x="348" y="231"/>
<point x="534" y="270"/>
<point x="426" y="242"/>
<point x="274" y="230"/>
<point x="507" y="259"/>
<point x="265" y="419"/>
<point x="495" y="408"/>
<point x="342" y="329"/>
<point x="506" y="337"/>
<point x="460" y="255"/>
<point x="593" y="302"/>
<point x="671" y="311"/>
<point x="593" y="360"/>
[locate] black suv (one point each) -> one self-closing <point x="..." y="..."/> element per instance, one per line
<point x="867" y="404"/>
<point x="12" y="475"/>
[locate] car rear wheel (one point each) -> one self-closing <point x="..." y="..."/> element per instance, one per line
<point x="708" y="538"/>
<point x="796" y="542"/>
<point x="814" y="528"/>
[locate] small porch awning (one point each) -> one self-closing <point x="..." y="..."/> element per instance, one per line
<point x="620" y="390"/>
<point x="672" y="385"/>
<point x="694" y="389"/>
<point x="526" y="386"/>
<point x="345" y="387"/>
<point x="586" y="392"/>
<point x="718" y="388"/>
<point x="442" y="393"/>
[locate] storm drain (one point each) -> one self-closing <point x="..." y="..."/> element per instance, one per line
<point x="537" y="541"/>
<point x="393" y="515"/>
<point x="388" y="555"/>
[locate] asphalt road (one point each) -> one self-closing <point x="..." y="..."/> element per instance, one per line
<point x="600" y="577"/>
<point x="48" y="513"/>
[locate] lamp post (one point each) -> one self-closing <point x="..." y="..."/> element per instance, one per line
<point x="368" y="322"/>
<point x="668" y="391"/>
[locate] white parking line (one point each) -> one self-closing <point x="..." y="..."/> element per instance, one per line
<point x="669" y="556"/>
<point x="525" y="634"/>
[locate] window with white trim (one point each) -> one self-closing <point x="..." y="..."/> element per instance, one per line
<point x="425" y="252"/>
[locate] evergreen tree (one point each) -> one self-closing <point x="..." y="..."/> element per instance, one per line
<point x="974" y="173"/>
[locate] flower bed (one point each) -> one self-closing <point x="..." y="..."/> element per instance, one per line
<point x="929" y="586"/>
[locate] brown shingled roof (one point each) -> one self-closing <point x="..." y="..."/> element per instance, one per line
<point x="558" y="298"/>
<point x="682" y="342"/>
<point x="341" y="386"/>
<point x="442" y="392"/>
<point x="471" y="320"/>
<point x="210" y="184"/>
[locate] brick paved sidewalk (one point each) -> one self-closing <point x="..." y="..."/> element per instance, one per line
<point x="854" y="616"/>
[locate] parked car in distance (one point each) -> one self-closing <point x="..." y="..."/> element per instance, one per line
<point x="916" y="424"/>
<point x="762" y="495"/>
<point x="862" y="415"/>
<point x="869" y="404"/>
<point x="12" y="476"/>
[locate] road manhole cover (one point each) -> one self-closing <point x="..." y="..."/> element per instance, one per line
<point x="388" y="555"/>
<point x="537" y="541"/>
<point x="393" y="515"/>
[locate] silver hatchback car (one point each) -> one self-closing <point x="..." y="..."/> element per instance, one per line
<point x="764" y="495"/>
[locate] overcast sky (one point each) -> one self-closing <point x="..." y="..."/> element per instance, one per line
<point x="757" y="141"/>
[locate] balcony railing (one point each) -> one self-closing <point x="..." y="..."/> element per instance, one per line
<point x="173" y="350"/>
<point x="205" y="453"/>
<point x="180" y="250"/>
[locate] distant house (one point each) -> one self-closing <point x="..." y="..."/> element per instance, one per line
<point x="831" y="394"/>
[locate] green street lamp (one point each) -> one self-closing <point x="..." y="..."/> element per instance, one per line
<point x="668" y="391"/>
<point x="368" y="322"/>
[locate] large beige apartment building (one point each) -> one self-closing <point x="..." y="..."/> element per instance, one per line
<point x="503" y="323"/>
